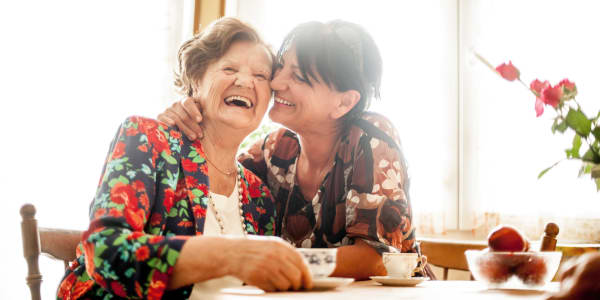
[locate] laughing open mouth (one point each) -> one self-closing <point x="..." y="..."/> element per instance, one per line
<point x="238" y="101"/>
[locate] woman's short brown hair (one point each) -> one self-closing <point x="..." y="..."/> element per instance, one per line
<point x="207" y="47"/>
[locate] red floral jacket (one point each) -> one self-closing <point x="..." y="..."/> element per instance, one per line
<point x="151" y="198"/>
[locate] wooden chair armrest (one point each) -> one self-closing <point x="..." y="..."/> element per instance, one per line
<point x="59" y="243"/>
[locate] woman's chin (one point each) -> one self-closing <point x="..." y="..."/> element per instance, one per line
<point x="240" y="123"/>
<point x="280" y="117"/>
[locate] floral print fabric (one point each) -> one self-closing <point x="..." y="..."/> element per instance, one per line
<point x="152" y="197"/>
<point x="364" y="196"/>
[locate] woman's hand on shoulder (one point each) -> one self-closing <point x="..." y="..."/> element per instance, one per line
<point x="270" y="264"/>
<point x="186" y="116"/>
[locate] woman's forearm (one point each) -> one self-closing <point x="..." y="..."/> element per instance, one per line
<point x="201" y="258"/>
<point x="358" y="261"/>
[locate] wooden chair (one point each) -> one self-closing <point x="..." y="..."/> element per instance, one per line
<point x="56" y="243"/>
<point x="448" y="254"/>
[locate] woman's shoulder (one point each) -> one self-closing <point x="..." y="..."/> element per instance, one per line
<point x="151" y="127"/>
<point x="145" y="123"/>
<point x="376" y="126"/>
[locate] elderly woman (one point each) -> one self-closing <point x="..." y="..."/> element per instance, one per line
<point x="336" y="171"/>
<point x="164" y="203"/>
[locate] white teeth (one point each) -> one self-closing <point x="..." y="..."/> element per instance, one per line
<point x="279" y="100"/>
<point x="238" y="100"/>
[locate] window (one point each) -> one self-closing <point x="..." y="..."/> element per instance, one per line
<point x="505" y="146"/>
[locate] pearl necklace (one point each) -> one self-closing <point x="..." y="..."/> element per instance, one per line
<point x="219" y="218"/>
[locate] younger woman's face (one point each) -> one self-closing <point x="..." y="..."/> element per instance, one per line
<point x="297" y="105"/>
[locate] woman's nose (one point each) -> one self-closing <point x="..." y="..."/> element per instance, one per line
<point x="243" y="80"/>
<point x="278" y="82"/>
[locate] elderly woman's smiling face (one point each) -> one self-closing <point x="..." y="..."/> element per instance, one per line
<point x="235" y="89"/>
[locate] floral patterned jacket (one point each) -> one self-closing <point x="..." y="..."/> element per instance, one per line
<point x="364" y="196"/>
<point x="151" y="198"/>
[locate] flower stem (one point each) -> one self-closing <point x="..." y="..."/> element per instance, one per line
<point x="485" y="62"/>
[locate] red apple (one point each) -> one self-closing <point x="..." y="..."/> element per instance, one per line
<point x="532" y="271"/>
<point x="492" y="269"/>
<point x="507" y="238"/>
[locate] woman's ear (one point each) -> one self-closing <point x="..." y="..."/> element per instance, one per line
<point x="346" y="102"/>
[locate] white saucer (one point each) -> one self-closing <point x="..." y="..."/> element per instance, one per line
<point x="389" y="280"/>
<point x="330" y="282"/>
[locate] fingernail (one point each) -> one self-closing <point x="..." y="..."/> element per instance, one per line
<point x="198" y="119"/>
<point x="192" y="136"/>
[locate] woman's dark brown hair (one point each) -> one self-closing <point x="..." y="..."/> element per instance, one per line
<point x="343" y="54"/>
<point x="210" y="45"/>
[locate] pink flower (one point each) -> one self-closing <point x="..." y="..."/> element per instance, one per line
<point x="538" y="86"/>
<point x="539" y="107"/>
<point x="568" y="88"/>
<point x="552" y="95"/>
<point x="508" y="72"/>
<point x="566" y="84"/>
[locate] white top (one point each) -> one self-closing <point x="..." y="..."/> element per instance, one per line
<point x="228" y="208"/>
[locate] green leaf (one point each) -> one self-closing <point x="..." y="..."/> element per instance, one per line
<point x="153" y="262"/>
<point x="198" y="159"/>
<point x="548" y="169"/>
<point x="591" y="156"/>
<point x="574" y="152"/>
<point x="596" y="133"/>
<point x="107" y="232"/>
<point x="585" y="169"/>
<point x="170" y="159"/>
<point x="172" y="213"/>
<point x="118" y="241"/>
<point x="577" y="121"/>
<point x="562" y="126"/>
<point x="129" y="272"/>
<point x="146" y="170"/>
<point x="197" y="192"/>
<point x="172" y="256"/>
<point x="121" y="179"/>
<point x="98" y="251"/>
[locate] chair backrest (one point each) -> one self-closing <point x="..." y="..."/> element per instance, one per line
<point x="448" y="254"/>
<point x="56" y="243"/>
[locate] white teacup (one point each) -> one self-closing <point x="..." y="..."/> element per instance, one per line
<point x="400" y="265"/>
<point x="320" y="261"/>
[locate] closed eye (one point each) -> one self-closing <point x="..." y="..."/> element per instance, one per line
<point x="261" y="76"/>
<point x="229" y="70"/>
<point x="299" y="78"/>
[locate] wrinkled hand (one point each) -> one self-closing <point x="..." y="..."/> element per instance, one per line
<point x="579" y="278"/>
<point x="186" y="116"/>
<point x="270" y="264"/>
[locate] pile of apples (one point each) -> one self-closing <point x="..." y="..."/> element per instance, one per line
<point x="514" y="258"/>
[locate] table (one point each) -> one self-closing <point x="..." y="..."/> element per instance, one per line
<point x="434" y="289"/>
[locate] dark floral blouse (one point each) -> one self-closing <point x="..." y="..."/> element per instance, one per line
<point x="364" y="196"/>
<point x="151" y="198"/>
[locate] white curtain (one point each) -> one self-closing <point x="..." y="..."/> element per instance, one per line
<point x="70" y="72"/>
